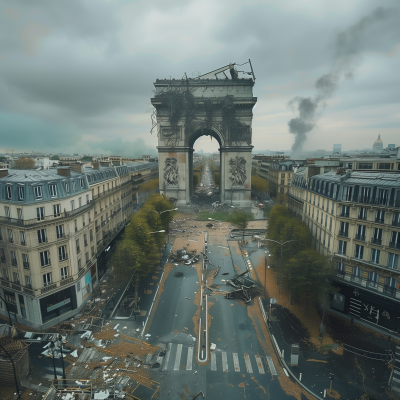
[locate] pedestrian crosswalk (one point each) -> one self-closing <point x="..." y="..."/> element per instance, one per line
<point x="179" y="357"/>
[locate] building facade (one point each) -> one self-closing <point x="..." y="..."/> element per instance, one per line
<point x="279" y="176"/>
<point x="55" y="226"/>
<point x="354" y="218"/>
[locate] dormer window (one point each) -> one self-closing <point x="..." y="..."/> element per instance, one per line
<point x="9" y="192"/>
<point x="21" y="193"/>
<point x="74" y="186"/>
<point x="53" y="190"/>
<point x="38" y="192"/>
<point x="66" y="187"/>
<point x="81" y="182"/>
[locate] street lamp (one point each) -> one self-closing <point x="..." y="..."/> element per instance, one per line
<point x="265" y="269"/>
<point x="62" y="358"/>
<point x="162" y="231"/>
<point x="281" y="244"/>
<point x="161" y="212"/>
<point x="48" y="355"/>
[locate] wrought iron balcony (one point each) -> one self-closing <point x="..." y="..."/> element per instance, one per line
<point x="360" y="237"/>
<point x="376" y="241"/>
<point x="26" y="265"/>
<point x="379" y="220"/>
<point x="14" y="262"/>
<point x="345" y="215"/>
<point x="394" y="245"/>
<point x="343" y="233"/>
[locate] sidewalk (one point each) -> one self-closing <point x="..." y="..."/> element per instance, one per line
<point x="355" y="354"/>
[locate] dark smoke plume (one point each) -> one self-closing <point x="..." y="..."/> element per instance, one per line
<point x="359" y="37"/>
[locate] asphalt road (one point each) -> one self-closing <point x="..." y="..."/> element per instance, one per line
<point x="237" y="368"/>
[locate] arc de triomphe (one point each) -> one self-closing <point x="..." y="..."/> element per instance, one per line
<point x="186" y="109"/>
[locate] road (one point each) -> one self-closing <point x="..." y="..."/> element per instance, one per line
<point x="238" y="367"/>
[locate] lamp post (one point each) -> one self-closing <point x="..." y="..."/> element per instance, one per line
<point x="52" y="354"/>
<point x="265" y="269"/>
<point x="161" y="212"/>
<point x="62" y="357"/>
<point x="15" y="375"/>
<point x="244" y="214"/>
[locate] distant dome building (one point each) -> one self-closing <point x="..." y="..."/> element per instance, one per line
<point x="378" y="145"/>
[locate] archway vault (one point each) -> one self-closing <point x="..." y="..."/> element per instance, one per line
<point x="187" y="109"/>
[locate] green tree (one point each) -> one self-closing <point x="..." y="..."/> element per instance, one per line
<point x="55" y="157"/>
<point x="161" y="204"/>
<point x="259" y="184"/>
<point x="217" y="178"/>
<point x="25" y="163"/>
<point x="196" y="179"/>
<point x="240" y="220"/>
<point x="307" y="276"/>
<point x="149" y="186"/>
<point x="86" y="158"/>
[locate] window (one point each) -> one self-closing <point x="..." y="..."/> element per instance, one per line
<point x="81" y="183"/>
<point x="393" y="260"/>
<point x="341" y="271"/>
<point x="395" y="240"/>
<point x="332" y="207"/>
<point x="5" y="274"/>
<point x="365" y="165"/>
<point x="91" y="235"/>
<point x="342" y="245"/>
<point x="47" y="279"/>
<point x="282" y="175"/>
<point x="72" y="205"/>
<point x="42" y="236"/>
<point x="282" y="190"/>
<point x="323" y="203"/>
<point x="45" y="258"/>
<point x="322" y="217"/>
<point x="7" y="212"/>
<point x="326" y="219"/>
<point x="391" y="286"/>
<point x="282" y="181"/>
<point x="8" y="192"/>
<point x="396" y="218"/>
<point x="383" y="197"/>
<point x="360" y="235"/>
<point x="313" y="213"/>
<point x="60" y="231"/>
<point x="356" y="274"/>
<point x="25" y="261"/>
<point x="377" y="236"/>
<point x="78" y="249"/>
<point x="40" y="213"/>
<point x="347" y="193"/>
<point x="384" y="166"/>
<point x="344" y="229"/>
<point x="373" y="279"/>
<point x="66" y="185"/>
<point x="3" y="255"/>
<point x="330" y="224"/>
<point x="21" y="193"/>
<point x="37" y="190"/>
<point x="87" y="256"/>
<point x="365" y="195"/>
<point x="359" y="253"/>
<point x="362" y="213"/>
<point x="57" y="210"/>
<point x="80" y="202"/>
<point x="74" y="186"/>
<point x="345" y="211"/>
<point x="16" y="277"/>
<point x="1" y="236"/>
<point x="79" y="264"/>
<point x="62" y="253"/>
<point x="10" y="236"/>
<point x="85" y="240"/>
<point x="28" y="282"/>
<point x="19" y="213"/>
<point x="87" y="199"/>
<point x="380" y="216"/>
<point x="92" y="251"/>
<point x="53" y="190"/>
<point x="64" y="273"/>
<point x="14" y="259"/>
<point x="375" y="253"/>
<point x="317" y="214"/>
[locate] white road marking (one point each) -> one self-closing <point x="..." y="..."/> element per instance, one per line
<point x="189" y="359"/>
<point x="236" y="362"/>
<point x="178" y="357"/>
<point x="166" y="358"/>
<point x="271" y="365"/>
<point x="224" y="362"/>
<point x="213" y="361"/>
<point x="260" y="365"/>
<point x="248" y="363"/>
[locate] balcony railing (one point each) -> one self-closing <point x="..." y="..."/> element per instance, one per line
<point x="30" y="222"/>
<point x="362" y="217"/>
<point x="3" y="259"/>
<point x="344" y="214"/>
<point x="14" y="262"/>
<point x="356" y="279"/>
<point x="394" y="245"/>
<point x="390" y="291"/>
<point x="341" y="252"/>
<point x="376" y="241"/>
<point x="395" y="223"/>
<point x="343" y="233"/>
<point x="379" y="220"/>
<point x="23" y="243"/>
<point x="360" y="237"/>
<point x="63" y="258"/>
<point x="79" y="210"/>
<point x="26" y="265"/>
<point x="11" y="240"/>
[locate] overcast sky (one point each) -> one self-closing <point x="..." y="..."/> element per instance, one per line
<point x="76" y="76"/>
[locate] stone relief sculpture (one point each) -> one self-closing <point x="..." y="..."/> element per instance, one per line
<point x="237" y="171"/>
<point x="171" y="171"/>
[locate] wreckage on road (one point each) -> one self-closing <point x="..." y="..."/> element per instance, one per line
<point x="245" y="288"/>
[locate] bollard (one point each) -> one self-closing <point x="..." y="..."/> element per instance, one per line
<point x="324" y="393"/>
<point x="300" y="376"/>
<point x="283" y="353"/>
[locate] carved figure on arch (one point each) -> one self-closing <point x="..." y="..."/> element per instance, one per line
<point x="171" y="176"/>
<point x="238" y="171"/>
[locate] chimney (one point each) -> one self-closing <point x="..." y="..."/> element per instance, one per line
<point x="78" y="167"/>
<point x="64" y="171"/>
<point x="95" y="165"/>
<point x="105" y="163"/>
<point x="341" y="171"/>
<point x="116" y="162"/>
<point x="3" y="172"/>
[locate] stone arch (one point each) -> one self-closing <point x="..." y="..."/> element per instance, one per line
<point x="200" y="131"/>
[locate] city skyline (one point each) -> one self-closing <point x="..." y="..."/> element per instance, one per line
<point x="85" y="83"/>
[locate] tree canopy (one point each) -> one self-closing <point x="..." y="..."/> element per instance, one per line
<point x="240" y="220"/>
<point x="25" y="163"/>
<point x="259" y="184"/>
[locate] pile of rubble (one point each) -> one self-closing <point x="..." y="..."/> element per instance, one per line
<point x="245" y="288"/>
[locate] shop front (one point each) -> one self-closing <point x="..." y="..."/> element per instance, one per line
<point x="58" y="303"/>
<point x="367" y="306"/>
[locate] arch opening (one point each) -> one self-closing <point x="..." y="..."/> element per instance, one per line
<point x="204" y="167"/>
